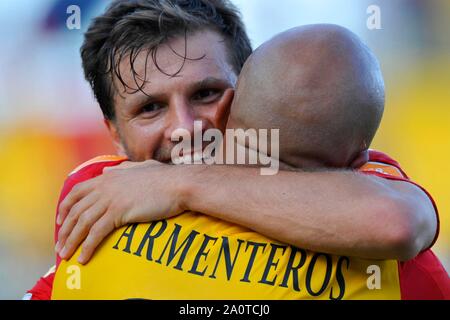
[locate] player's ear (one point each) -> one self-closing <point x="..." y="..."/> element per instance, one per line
<point x="114" y="133"/>
<point x="223" y="109"/>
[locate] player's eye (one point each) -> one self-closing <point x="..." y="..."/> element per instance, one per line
<point x="207" y="95"/>
<point x="152" y="107"/>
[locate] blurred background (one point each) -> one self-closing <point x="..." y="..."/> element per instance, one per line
<point x="50" y="123"/>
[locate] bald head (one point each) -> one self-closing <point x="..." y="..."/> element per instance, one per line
<point x="321" y="86"/>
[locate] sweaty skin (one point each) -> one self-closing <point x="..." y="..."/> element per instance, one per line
<point x="293" y="207"/>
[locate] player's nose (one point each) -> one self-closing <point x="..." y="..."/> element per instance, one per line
<point x="181" y="117"/>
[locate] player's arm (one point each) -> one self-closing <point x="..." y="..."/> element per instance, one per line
<point x="339" y="212"/>
<point x="345" y="213"/>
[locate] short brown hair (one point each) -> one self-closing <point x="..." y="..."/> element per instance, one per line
<point x="130" y="26"/>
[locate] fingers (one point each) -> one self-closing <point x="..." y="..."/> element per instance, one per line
<point x="72" y="218"/>
<point x="102" y="228"/>
<point x="82" y="228"/>
<point x="77" y="193"/>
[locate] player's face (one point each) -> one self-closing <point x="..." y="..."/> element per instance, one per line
<point x="145" y="122"/>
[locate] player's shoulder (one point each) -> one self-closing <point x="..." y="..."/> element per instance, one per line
<point x="96" y="165"/>
<point x="88" y="170"/>
<point x="381" y="163"/>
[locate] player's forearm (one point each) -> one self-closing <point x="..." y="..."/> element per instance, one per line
<point x="334" y="212"/>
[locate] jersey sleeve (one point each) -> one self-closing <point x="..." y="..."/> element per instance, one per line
<point x="424" y="278"/>
<point x="42" y="290"/>
<point x="383" y="166"/>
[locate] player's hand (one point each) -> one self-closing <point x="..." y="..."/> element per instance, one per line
<point x="129" y="193"/>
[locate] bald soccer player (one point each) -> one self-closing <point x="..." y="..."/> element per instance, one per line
<point x="327" y="114"/>
<point x="322" y="87"/>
